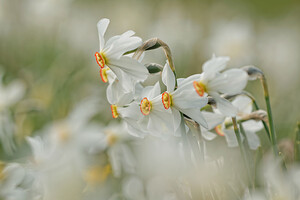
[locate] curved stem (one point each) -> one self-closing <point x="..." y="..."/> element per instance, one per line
<point x="257" y="108"/>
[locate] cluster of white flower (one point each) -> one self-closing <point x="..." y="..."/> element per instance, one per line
<point x="160" y="109"/>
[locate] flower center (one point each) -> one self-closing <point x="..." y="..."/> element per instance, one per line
<point x="166" y="99"/>
<point x="114" y="111"/>
<point x="200" y="88"/>
<point x="103" y="74"/>
<point x="101" y="59"/>
<point x="218" y="130"/>
<point x="97" y="174"/>
<point x="145" y="106"/>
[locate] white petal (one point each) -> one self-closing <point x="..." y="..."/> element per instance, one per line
<point x="132" y="111"/>
<point x="207" y="134"/>
<point x="253" y="140"/>
<point x="102" y="26"/>
<point x="243" y="103"/>
<point x="224" y="106"/>
<point x="213" y="66"/>
<point x="189" y="80"/>
<point x="231" y="81"/>
<point x="111" y="40"/>
<point x="111" y="93"/>
<point x="11" y="93"/>
<point x="168" y="77"/>
<point x="213" y="119"/>
<point x="131" y="67"/>
<point x="231" y="138"/>
<point x="134" y="130"/>
<point x="114" y="159"/>
<point x="176" y="118"/>
<point x="196" y="115"/>
<point x="154" y="92"/>
<point x="121" y="46"/>
<point x="125" y="99"/>
<point x="252" y="125"/>
<point x="188" y="99"/>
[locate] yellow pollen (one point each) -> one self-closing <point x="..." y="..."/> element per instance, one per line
<point x="103" y="74"/>
<point x="218" y="130"/>
<point x="97" y="174"/>
<point x="63" y="133"/>
<point x="200" y="88"/>
<point x="114" y="111"/>
<point x="111" y="139"/>
<point x="145" y="106"/>
<point x="166" y="99"/>
<point x="101" y="59"/>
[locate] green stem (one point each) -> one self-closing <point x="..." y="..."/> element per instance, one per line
<point x="257" y="108"/>
<point x="242" y="147"/>
<point x="249" y="168"/>
<point x="297" y="143"/>
<point x="270" y="117"/>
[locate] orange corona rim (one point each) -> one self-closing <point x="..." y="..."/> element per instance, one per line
<point x="100" y="59"/>
<point x="114" y="111"/>
<point x="218" y="130"/>
<point x="200" y="88"/>
<point x="103" y="74"/>
<point x="166" y="100"/>
<point x="145" y="106"/>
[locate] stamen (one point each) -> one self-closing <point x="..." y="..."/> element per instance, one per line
<point x="218" y="130"/>
<point x="103" y="74"/>
<point x="166" y="99"/>
<point x="100" y="58"/>
<point x="200" y="88"/>
<point x="145" y="106"/>
<point x="114" y="111"/>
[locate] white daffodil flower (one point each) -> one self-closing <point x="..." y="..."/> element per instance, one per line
<point x="156" y="119"/>
<point x="129" y="111"/>
<point x="243" y="104"/>
<point x="120" y="155"/>
<point x="127" y="69"/>
<point x="15" y="182"/>
<point x="213" y="82"/>
<point x="184" y="99"/>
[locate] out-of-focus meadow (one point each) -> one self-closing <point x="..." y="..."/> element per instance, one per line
<point x="50" y="87"/>
<point x="49" y="46"/>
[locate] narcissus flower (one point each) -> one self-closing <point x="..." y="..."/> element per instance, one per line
<point x="129" y="111"/>
<point x="221" y="123"/>
<point x="156" y="119"/>
<point x="184" y="99"/>
<point x="127" y="69"/>
<point x="214" y="82"/>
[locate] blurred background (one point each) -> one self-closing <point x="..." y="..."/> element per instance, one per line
<point x="49" y="46"/>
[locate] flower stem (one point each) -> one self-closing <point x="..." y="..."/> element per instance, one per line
<point x="242" y="147"/>
<point x="270" y="117"/>
<point x="297" y="143"/>
<point x="257" y="108"/>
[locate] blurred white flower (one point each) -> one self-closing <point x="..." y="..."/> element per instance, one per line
<point x="9" y="95"/>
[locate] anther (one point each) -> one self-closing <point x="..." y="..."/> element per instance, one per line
<point x="145" y="106"/>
